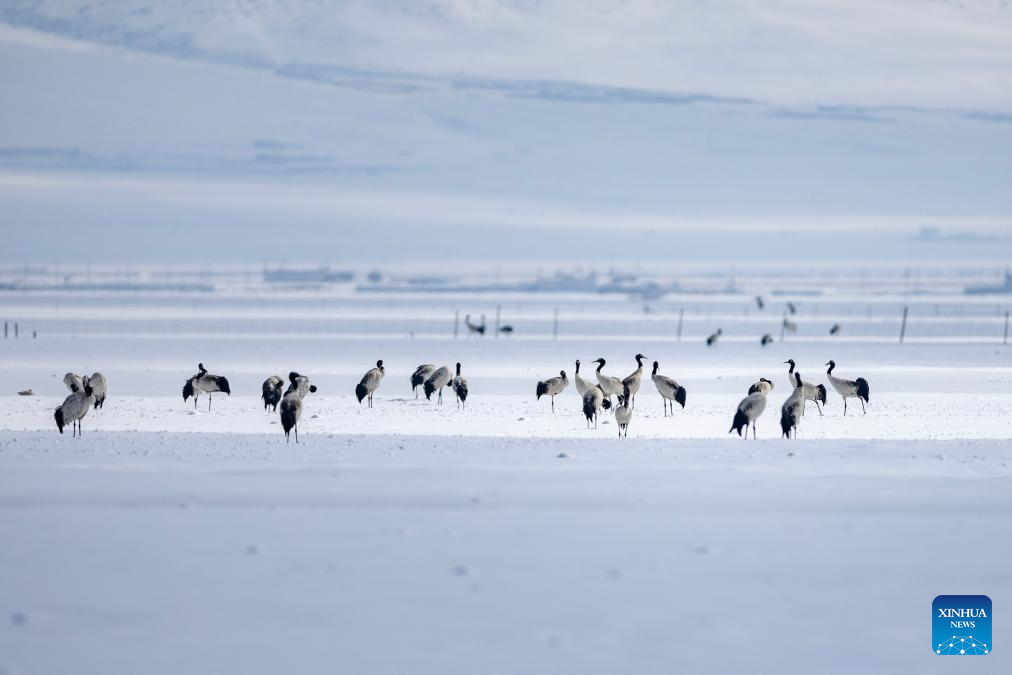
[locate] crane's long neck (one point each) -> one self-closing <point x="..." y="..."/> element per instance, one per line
<point x="577" y="367"/>
<point x="830" y="370"/>
<point x="655" y="369"/>
<point x="791" y="369"/>
<point x="600" y="365"/>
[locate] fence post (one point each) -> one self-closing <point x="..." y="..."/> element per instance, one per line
<point x="1005" y="340"/>
<point x="456" y="323"/>
<point x="555" y="325"/>
<point x="498" y="311"/>
<point x="903" y="326"/>
<point x="681" y="315"/>
<point x="783" y="326"/>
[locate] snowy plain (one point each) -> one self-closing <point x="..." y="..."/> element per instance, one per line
<point x="500" y="538"/>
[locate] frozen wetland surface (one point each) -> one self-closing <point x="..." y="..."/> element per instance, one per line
<point x="500" y="538"/>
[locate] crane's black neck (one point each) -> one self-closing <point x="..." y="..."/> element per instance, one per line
<point x="656" y="366"/>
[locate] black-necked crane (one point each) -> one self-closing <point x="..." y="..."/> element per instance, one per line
<point x="552" y="387"/>
<point x="848" y="388"/>
<point x="204" y="382"/>
<point x="623" y="413"/>
<point x="459" y="386"/>
<point x="74" y="408"/>
<point x="748" y="411"/>
<point x="98" y="389"/>
<point x="582" y="385"/>
<point x="475" y="328"/>
<point x="439" y="378"/>
<point x="291" y="403"/>
<point x="611" y="386"/>
<point x="73" y="382"/>
<point x="370" y="382"/>
<point x="759" y="302"/>
<point x="812" y="392"/>
<point x="792" y="308"/>
<point x="633" y="381"/>
<point x="593" y="401"/>
<point x="793" y="408"/>
<point x="670" y="391"/>
<point x="272" y="392"/>
<point x="835" y="329"/>
<point x="711" y="340"/>
<point x="421" y="374"/>
<point x="790" y="326"/>
<point x="763" y="385"/>
<point x="765" y="339"/>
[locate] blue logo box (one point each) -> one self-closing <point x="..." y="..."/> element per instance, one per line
<point x="961" y="625"/>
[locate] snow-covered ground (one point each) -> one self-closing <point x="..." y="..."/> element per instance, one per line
<point x="500" y="538"/>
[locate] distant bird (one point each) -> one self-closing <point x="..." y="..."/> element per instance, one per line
<point x="291" y="403"/>
<point x="74" y="408"/>
<point x="272" y="392"/>
<point x="204" y="381"/>
<point x="793" y="408"/>
<point x="552" y="387"/>
<point x="370" y="382"/>
<point x="791" y="308"/>
<point x="848" y="388"/>
<point x="759" y="302"/>
<point x="712" y="339"/>
<point x="669" y="390"/>
<point x="507" y="329"/>
<point x="748" y="411"/>
<point x="582" y="385"/>
<point x="593" y="402"/>
<point x="763" y="385"/>
<point x="459" y="385"/>
<point x="73" y="382"/>
<point x="611" y="386"/>
<point x="790" y="326"/>
<point x="766" y="339"/>
<point x="632" y="382"/>
<point x="98" y="388"/>
<point x="475" y="328"/>
<point x="812" y="392"/>
<point x="421" y="374"/>
<point x="439" y="378"/>
<point x="835" y="329"/>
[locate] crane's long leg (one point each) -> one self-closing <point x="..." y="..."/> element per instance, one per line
<point x="844" y="406"/>
<point x="553" y="404"/>
<point x="863" y="411"/>
<point x="819" y="407"/>
<point x="209" y="397"/>
<point x="296" y="433"/>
